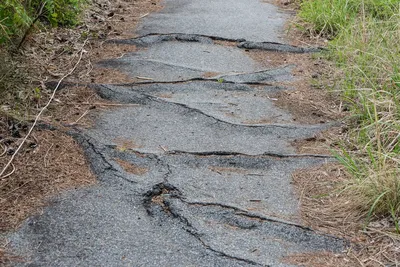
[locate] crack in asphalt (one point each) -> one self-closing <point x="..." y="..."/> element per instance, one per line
<point x="216" y="79"/>
<point x="194" y="80"/>
<point x="162" y="194"/>
<point x="196" y="110"/>
<point x="222" y="78"/>
<point x="168" y="190"/>
<point x="83" y="139"/>
<point x="66" y="84"/>
<point x="245" y="213"/>
<point x="201" y="38"/>
<point x="226" y="154"/>
<point x="156" y="197"/>
<point x="268" y="154"/>
<point x="91" y="147"/>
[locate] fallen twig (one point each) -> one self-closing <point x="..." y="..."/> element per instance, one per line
<point x="142" y="16"/>
<point x="144" y="78"/>
<point x="83" y="115"/>
<point x="8" y="174"/>
<point x="4" y="150"/>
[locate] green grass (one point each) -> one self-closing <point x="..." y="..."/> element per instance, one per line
<point x="364" y="44"/>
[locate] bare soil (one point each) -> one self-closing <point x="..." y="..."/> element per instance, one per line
<point x="131" y="168"/>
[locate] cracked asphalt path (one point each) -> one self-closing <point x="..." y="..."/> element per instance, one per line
<point x="199" y="172"/>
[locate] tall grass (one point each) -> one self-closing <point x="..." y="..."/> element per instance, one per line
<point x="365" y="46"/>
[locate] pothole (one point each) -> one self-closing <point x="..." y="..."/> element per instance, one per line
<point x="155" y="199"/>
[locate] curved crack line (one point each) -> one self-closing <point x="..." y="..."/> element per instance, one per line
<point x="267" y="154"/>
<point x="194" y="232"/>
<point x="245" y="213"/>
<point x="242" y="43"/>
<point x="189" y="228"/>
<point x="251" y="215"/>
<point x="226" y="154"/>
<point x="212" y="37"/>
<point x="270" y="125"/>
<point x="216" y="78"/>
<point x="65" y="84"/>
<point x="194" y="80"/>
<point x="266" y="126"/>
<point x="163" y="63"/>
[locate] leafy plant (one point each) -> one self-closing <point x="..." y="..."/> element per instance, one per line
<point x="16" y="16"/>
<point x="13" y="19"/>
<point x="63" y="12"/>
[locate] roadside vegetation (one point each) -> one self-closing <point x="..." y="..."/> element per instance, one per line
<point x="17" y="16"/>
<point x="363" y="45"/>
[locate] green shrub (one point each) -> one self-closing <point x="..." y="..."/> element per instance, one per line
<point x="63" y="12"/>
<point x="17" y="15"/>
<point x="13" y="19"/>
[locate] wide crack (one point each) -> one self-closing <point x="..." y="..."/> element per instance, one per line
<point x="163" y="197"/>
<point x="132" y="97"/>
<point x="154" y="38"/>
<point x="158" y="199"/>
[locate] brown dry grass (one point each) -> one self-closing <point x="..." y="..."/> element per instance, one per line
<point x="321" y="143"/>
<point x="49" y="54"/>
<point x="323" y="259"/>
<point x="125" y="144"/>
<point x="326" y="206"/>
<point x="50" y="162"/>
<point x="6" y="258"/>
<point x="308" y="103"/>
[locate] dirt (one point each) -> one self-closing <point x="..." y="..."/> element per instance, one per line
<point x="124" y="144"/>
<point x="321" y="260"/>
<point x="131" y="168"/>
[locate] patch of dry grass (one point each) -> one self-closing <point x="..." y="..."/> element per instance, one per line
<point x="49" y="163"/>
<point x="327" y="206"/>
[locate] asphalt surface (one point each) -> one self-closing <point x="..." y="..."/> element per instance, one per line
<point x="199" y="172"/>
